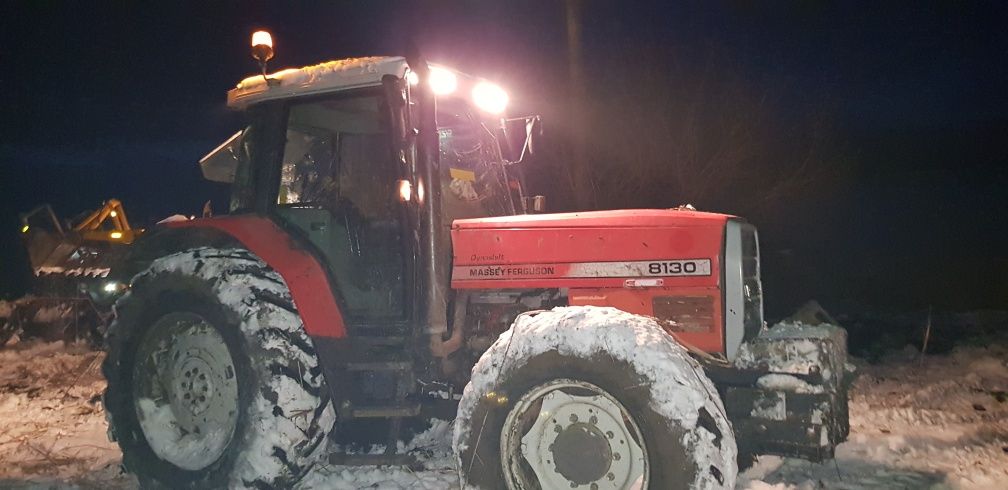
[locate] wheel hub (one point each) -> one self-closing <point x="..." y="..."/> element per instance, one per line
<point x="186" y="391"/>
<point x="194" y="388"/>
<point x="581" y="453"/>
<point x="572" y="434"/>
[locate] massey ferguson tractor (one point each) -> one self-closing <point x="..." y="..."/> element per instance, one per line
<point x="381" y="261"/>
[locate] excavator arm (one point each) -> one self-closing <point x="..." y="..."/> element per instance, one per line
<point x="93" y="228"/>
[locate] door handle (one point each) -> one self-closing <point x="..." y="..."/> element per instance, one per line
<point x="318" y="226"/>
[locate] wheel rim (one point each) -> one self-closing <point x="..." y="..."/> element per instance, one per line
<point x="572" y="434"/>
<point x="185" y="391"/>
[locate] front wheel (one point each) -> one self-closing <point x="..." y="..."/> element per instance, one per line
<point x="592" y="398"/>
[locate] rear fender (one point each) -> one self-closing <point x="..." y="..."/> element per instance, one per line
<point x="305" y="276"/>
<point x="163" y="241"/>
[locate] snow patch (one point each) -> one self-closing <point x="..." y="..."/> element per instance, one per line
<point x="52" y="427"/>
<point x="50" y="314"/>
<point x="786" y="382"/>
<point x="188" y="450"/>
<point x="431" y="448"/>
<point x="175" y="218"/>
<point x="75" y="271"/>
<point x="800" y="349"/>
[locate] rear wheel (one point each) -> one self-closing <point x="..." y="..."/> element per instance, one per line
<point x="212" y="381"/>
<point x="592" y="398"/>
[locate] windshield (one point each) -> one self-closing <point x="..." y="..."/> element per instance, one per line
<point x="474" y="182"/>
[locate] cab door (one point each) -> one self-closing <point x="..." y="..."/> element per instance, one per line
<point x="338" y="189"/>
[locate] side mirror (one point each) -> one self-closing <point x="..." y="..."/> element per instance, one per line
<point x="221" y="164"/>
<point x="521" y="137"/>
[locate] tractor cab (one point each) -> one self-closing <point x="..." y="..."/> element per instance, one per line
<point x="369" y="161"/>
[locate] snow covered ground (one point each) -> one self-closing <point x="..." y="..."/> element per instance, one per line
<point x="52" y="426"/>
<point x="942" y="423"/>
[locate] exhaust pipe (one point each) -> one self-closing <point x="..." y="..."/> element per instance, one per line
<point x="441" y="348"/>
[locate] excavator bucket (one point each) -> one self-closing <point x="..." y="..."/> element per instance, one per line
<point x="70" y="295"/>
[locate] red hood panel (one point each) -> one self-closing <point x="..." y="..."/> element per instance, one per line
<point x="620" y="218"/>
<point x="590" y="249"/>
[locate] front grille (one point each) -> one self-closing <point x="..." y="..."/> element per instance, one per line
<point x="752" y="288"/>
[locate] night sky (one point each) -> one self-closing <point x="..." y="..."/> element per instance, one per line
<point x="901" y="110"/>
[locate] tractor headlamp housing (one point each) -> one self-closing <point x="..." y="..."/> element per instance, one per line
<point x="489" y="97"/>
<point x="442" y="81"/>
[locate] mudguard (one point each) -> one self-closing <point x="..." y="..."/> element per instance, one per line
<point x="305" y="276"/>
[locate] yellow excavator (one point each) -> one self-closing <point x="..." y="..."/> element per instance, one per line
<point x="71" y="295"/>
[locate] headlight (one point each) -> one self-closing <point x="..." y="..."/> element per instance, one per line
<point x="490" y="97"/>
<point x="442" y="82"/>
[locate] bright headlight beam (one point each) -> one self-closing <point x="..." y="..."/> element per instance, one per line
<point x="490" y="97"/>
<point x="442" y="82"/>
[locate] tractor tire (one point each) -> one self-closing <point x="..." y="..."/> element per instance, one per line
<point x="212" y="380"/>
<point x="587" y="397"/>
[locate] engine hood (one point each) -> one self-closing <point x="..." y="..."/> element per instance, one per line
<point x="589" y="249"/>
<point x="622" y="218"/>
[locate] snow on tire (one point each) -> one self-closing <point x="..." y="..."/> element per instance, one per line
<point x="588" y="397"/>
<point x="212" y="381"/>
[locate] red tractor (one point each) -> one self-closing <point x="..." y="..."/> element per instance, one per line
<point x="381" y="261"/>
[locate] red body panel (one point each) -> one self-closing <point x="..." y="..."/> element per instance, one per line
<point x="640" y="301"/>
<point x="605" y="258"/>
<point x="545" y="247"/>
<point x="304" y="275"/>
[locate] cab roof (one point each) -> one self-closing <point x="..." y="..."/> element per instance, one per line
<point x="324" y="77"/>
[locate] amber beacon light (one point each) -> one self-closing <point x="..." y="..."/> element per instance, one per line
<point x="262" y="49"/>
